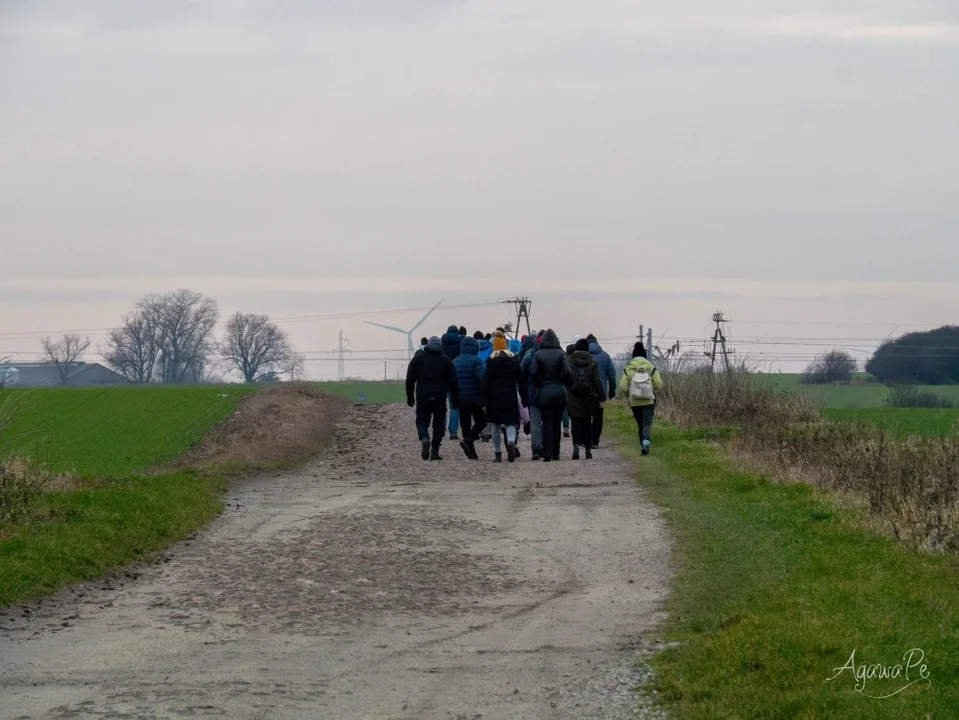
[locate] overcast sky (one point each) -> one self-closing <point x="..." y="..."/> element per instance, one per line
<point x="621" y="162"/>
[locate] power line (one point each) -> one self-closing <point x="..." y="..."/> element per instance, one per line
<point x="280" y="320"/>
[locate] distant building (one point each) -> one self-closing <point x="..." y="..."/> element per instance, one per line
<point x="80" y="374"/>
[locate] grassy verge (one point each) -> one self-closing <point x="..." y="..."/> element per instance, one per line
<point x="778" y="586"/>
<point x="75" y="536"/>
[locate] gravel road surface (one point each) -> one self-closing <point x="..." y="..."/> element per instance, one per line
<point x="369" y="584"/>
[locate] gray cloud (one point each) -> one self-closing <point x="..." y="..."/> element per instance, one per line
<point x="733" y="140"/>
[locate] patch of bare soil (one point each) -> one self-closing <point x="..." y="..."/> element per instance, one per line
<point x="282" y="425"/>
<point x="347" y="567"/>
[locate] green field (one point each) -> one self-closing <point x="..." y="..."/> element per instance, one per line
<point x="367" y="393"/>
<point x="857" y="395"/>
<point x="113" y="432"/>
<point x="903" y="422"/>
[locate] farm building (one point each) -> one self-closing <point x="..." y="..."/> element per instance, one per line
<point x="80" y="374"/>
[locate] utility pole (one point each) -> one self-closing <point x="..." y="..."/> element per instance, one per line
<point x="341" y="360"/>
<point x="719" y="340"/>
<point x="522" y="304"/>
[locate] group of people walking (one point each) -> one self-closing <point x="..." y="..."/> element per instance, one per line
<point x="494" y="387"/>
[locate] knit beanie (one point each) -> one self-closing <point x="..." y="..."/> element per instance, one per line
<point x="639" y="350"/>
<point x="582" y="344"/>
<point x="499" y="341"/>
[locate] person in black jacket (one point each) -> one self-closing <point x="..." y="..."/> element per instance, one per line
<point x="451" y="346"/>
<point x="502" y="383"/>
<point x="551" y="375"/>
<point x="433" y="378"/>
<point x="584" y="394"/>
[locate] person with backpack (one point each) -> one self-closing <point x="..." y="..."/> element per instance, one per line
<point x="607" y="374"/>
<point x="584" y="394"/>
<point x="570" y="349"/>
<point x="432" y="377"/>
<point x="551" y="375"/>
<point x="640" y="383"/>
<point x="469" y="378"/>
<point x="501" y="383"/>
<point x="451" y="346"/>
<point x="535" y="416"/>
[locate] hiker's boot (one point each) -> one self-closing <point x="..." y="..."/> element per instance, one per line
<point x="537" y="454"/>
<point x="516" y="449"/>
<point x="511" y="451"/>
<point x="645" y="450"/>
<point x="498" y="457"/>
<point x="565" y="433"/>
<point x="547" y="458"/>
<point x="425" y="451"/>
<point x="575" y="452"/>
<point x="435" y="454"/>
<point x="454" y="436"/>
<point x="589" y="453"/>
<point x="465" y="444"/>
<point x="472" y="449"/>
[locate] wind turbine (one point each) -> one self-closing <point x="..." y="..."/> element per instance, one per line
<point x="408" y="333"/>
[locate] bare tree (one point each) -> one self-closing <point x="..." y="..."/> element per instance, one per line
<point x="184" y="321"/>
<point x="256" y="347"/>
<point x="835" y="366"/>
<point x="64" y="353"/>
<point x="133" y="350"/>
<point x="297" y="367"/>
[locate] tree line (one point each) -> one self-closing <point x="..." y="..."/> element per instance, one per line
<point x="171" y="338"/>
<point x="929" y="357"/>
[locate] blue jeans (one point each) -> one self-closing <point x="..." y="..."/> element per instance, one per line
<point x="454" y="419"/>
<point x="536" y="427"/>
<point x="565" y="419"/>
<point x="498" y="436"/>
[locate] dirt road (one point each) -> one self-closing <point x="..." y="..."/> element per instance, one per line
<point x="370" y="584"/>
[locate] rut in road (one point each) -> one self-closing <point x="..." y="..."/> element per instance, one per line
<point x="369" y="584"/>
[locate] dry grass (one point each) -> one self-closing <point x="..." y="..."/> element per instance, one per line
<point x="283" y="425"/>
<point x="21" y="482"/>
<point x="910" y="486"/>
<point x="734" y="398"/>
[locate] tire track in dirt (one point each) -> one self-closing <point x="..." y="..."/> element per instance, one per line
<point x="369" y="584"/>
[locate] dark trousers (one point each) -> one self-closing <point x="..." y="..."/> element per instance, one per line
<point x="472" y="420"/>
<point x="644" y="420"/>
<point x="431" y="412"/>
<point x="552" y="413"/>
<point x="597" y="432"/>
<point x="582" y="431"/>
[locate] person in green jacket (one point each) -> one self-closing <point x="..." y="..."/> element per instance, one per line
<point x="643" y="408"/>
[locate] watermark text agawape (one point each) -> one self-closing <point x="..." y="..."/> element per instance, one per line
<point x="883" y="681"/>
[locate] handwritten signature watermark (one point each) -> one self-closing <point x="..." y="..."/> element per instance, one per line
<point x="876" y="678"/>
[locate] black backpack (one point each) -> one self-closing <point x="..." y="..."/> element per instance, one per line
<point x="581" y="386"/>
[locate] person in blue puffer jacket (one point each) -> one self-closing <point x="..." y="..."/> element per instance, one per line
<point x="469" y="375"/>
